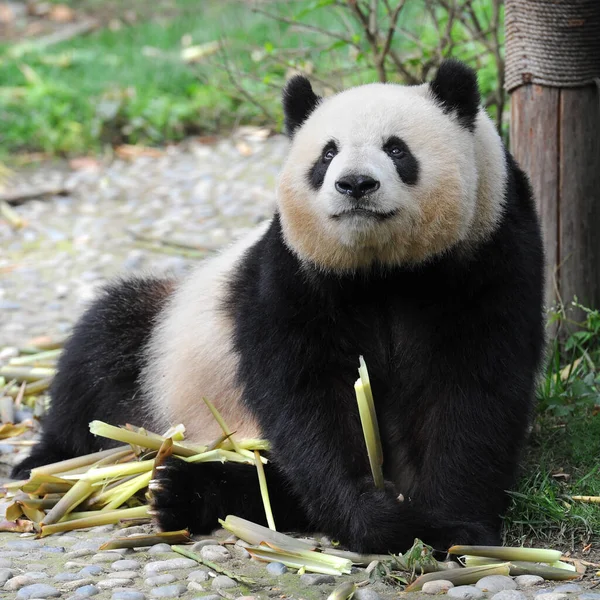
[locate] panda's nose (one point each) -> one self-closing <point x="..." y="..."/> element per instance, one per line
<point x="356" y="186"/>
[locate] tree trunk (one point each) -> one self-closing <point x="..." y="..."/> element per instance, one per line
<point x="553" y="74"/>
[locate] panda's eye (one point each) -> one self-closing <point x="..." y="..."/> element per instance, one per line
<point x="329" y="154"/>
<point x="396" y="151"/>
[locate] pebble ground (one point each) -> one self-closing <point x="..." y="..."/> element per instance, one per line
<point x="196" y="194"/>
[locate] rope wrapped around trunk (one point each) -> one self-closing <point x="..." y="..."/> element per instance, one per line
<point x="552" y="42"/>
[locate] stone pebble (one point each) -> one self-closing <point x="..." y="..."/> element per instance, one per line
<point x="128" y="595"/>
<point x="496" y="583"/>
<point x="277" y="568"/>
<point x="17" y="582"/>
<point x="366" y="594"/>
<point x="126" y="565"/>
<point x="5" y="563"/>
<point x="159" y="549"/>
<point x="222" y="582"/>
<point x="38" y="590"/>
<point x="551" y="596"/>
<point x="437" y="587"/>
<point x="173" y="564"/>
<point x="109" y="584"/>
<point x="106" y="557"/>
<point x="5" y="575"/>
<point x="591" y="596"/>
<point x="509" y="595"/>
<point x="52" y="549"/>
<point x="73" y="585"/>
<point x="202" y="543"/>
<point x="568" y="588"/>
<point x="169" y="591"/>
<point x="91" y="570"/>
<point x="163" y="579"/>
<point x="195" y="586"/>
<point x="123" y="575"/>
<point x="66" y="576"/>
<point x="12" y="554"/>
<point x="209" y="597"/>
<point x="87" y="591"/>
<point x="198" y="575"/>
<point x="75" y="564"/>
<point x="24" y="545"/>
<point x="36" y="575"/>
<point x="526" y="581"/>
<point x="316" y="579"/>
<point x="465" y="592"/>
<point x="216" y="554"/>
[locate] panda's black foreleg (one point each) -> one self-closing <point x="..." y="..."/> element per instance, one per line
<point x="98" y="372"/>
<point x="196" y="495"/>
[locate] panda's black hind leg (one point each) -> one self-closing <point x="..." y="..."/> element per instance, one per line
<point x="195" y="496"/>
<point x="98" y="371"/>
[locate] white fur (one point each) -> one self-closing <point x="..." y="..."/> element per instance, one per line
<point x="190" y="353"/>
<point x="458" y="197"/>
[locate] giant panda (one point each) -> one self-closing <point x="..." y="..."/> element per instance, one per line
<point x="404" y="232"/>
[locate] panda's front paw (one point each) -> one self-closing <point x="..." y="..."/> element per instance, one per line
<point x="184" y="496"/>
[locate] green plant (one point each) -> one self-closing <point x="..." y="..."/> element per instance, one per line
<point x="572" y="382"/>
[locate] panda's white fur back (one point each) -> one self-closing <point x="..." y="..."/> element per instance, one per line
<point x="190" y="353"/>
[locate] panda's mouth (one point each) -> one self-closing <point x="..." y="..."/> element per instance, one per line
<point x="365" y="213"/>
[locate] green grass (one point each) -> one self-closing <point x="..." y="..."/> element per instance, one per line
<point x="565" y="441"/>
<point x="132" y="85"/>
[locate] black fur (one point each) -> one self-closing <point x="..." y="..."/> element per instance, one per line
<point x="453" y="348"/>
<point x="407" y="165"/>
<point x="316" y="174"/>
<point x="455" y="88"/>
<point x="299" y="101"/>
<point x="98" y="372"/>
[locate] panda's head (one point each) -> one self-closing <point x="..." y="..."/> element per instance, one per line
<point x="389" y="174"/>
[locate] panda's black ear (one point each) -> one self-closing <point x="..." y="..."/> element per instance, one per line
<point x="299" y="101"/>
<point x="455" y="88"/>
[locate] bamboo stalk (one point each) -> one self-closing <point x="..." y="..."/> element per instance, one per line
<point x="26" y="373"/>
<point x="130" y="489"/>
<point x="264" y="491"/>
<point x="34" y="358"/>
<point x="368" y="419"/>
<point x="73" y="498"/>
<point x="509" y="554"/>
<point x="96" y="475"/>
<point x="99" y="518"/>
<point x="141" y="541"/>
<point x="130" y="437"/>
<point x="75" y="463"/>
<point x="219" y="419"/>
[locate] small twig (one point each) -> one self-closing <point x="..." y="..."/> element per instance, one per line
<point x="307" y="27"/>
<point x="62" y="35"/>
<point x="232" y="80"/>
<point x="17" y="198"/>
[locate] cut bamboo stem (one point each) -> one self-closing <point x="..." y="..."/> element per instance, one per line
<point x="264" y="491"/>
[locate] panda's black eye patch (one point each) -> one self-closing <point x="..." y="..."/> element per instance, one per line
<point x="405" y="162"/>
<point x="317" y="172"/>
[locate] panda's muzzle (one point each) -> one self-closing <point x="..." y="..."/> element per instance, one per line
<point x="357" y="186"/>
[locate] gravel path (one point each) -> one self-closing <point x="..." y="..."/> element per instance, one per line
<point x="194" y="194"/>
